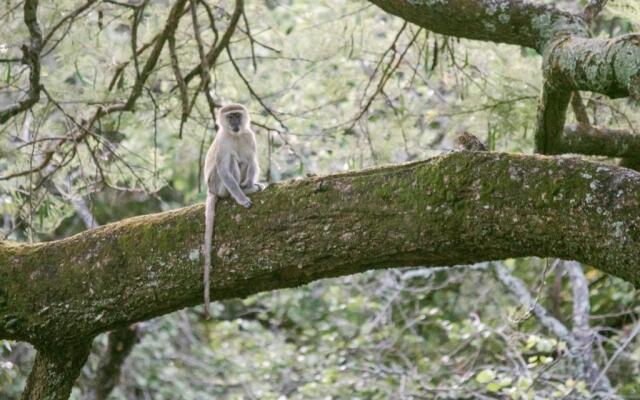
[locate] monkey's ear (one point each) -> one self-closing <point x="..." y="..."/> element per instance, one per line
<point x="216" y="127"/>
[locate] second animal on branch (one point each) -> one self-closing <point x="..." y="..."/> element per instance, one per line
<point x="231" y="167"/>
<point x="467" y="141"/>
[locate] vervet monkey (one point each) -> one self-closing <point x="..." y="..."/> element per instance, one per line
<point x="467" y="141"/>
<point x="231" y="167"/>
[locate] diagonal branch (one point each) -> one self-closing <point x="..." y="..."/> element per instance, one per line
<point x="519" y="289"/>
<point x="581" y="329"/>
<point x="182" y="87"/>
<point x="216" y="50"/>
<point x="205" y="76"/>
<point x="30" y="57"/>
<point x="579" y="110"/>
<point x="169" y="30"/>
<point x="69" y="17"/>
<point x="579" y="345"/>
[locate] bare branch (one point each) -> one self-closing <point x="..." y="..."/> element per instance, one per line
<point x="205" y="76"/>
<point x="579" y="341"/>
<point x="634" y="332"/>
<point x="182" y="87"/>
<point x="31" y="57"/>
<point x="519" y="289"/>
<point x="69" y="17"/>
<point x="216" y="50"/>
<point x="169" y="29"/>
<point x="119" y="344"/>
<point x="581" y="329"/>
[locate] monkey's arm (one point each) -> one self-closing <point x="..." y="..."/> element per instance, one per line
<point x="231" y="182"/>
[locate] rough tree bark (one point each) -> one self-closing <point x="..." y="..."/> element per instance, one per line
<point x="54" y="371"/>
<point x="455" y="209"/>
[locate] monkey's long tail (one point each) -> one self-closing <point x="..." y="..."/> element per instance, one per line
<point x="210" y="215"/>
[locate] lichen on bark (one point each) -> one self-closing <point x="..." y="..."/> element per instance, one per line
<point x="454" y="209"/>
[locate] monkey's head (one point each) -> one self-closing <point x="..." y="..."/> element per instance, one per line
<point x="234" y="118"/>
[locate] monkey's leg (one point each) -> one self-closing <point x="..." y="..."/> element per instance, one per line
<point x="249" y="184"/>
<point x="231" y="183"/>
<point x="249" y="176"/>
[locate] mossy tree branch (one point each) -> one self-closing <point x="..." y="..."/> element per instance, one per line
<point x="455" y="209"/>
<point x="523" y="23"/>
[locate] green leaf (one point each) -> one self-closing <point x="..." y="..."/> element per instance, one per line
<point x="485" y="376"/>
<point x="494" y="387"/>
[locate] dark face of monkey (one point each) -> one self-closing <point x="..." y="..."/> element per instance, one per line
<point x="234" y="120"/>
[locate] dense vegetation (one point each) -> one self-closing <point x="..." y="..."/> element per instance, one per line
<point x="333" y="86"/>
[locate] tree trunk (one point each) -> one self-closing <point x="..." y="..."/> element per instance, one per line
<point x="54" y="372"/>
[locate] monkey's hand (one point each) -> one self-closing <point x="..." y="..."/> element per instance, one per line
<point x="260" y="187"/>
<point x="246" y="203"/>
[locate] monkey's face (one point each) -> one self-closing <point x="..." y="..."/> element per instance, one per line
<point x="234" y="120"/>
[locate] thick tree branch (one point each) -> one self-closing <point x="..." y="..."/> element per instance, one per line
<point x="552" y="113"/>
<point x="523" y="23"/>
<point x="455" y="209"/>
<point x="607" y="66"/>
<point x="598" y="141"/>
<point x="594" y="140"/>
